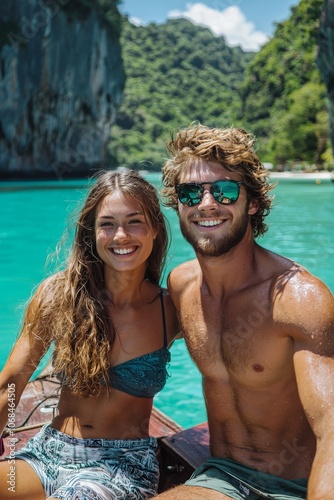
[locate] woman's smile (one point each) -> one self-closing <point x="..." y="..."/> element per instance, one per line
<point x="123" y="251"/>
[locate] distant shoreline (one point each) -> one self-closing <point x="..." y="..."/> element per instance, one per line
<point x="305" y="176"/>
<point x="78" y="183"/>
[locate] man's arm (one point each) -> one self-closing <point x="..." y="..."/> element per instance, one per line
<point x="314" y="368"/>
<point x="171" y="319"/>
<point x="315" y="377"/>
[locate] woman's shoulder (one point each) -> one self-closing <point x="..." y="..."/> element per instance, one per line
<point x="48" y="285"/>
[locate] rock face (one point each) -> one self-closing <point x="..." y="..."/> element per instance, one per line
<point x="61" y="80"/>
<point x="325" y="57"/>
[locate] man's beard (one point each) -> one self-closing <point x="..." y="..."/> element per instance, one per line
<point x="211" y="246"/>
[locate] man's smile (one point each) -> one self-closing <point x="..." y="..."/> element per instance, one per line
<point x="209" y="223"/>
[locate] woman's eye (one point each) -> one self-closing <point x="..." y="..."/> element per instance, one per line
<point x="135" y="221"/>
<point x="106" y="224"/>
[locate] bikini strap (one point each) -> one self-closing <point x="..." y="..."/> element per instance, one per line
<point x="163" y="316"/>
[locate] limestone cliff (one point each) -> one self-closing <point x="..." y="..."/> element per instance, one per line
<point x="325" y="57"/>
<point x="61" y="80"/>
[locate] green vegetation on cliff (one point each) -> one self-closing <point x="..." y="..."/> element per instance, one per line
<point x="178" y="73"/>
<point x="283" y="95"/>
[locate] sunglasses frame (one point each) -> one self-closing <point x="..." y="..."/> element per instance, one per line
<point x="201" y="189"/>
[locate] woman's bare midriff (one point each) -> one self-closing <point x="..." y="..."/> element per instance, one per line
<point x="116" y="415"/>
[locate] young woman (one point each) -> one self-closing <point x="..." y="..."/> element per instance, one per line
<point x="111" y="325"/>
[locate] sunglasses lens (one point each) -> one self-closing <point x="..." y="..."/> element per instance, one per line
<point x="190" y="194"/>
<point x="225" y="192"/>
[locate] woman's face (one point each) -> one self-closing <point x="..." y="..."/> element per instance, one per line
<point x="124" y="235"/>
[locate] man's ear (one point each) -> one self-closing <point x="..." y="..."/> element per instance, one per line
<point x="253" y="207"/>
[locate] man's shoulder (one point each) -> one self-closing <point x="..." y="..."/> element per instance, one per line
<point x="188" y="267"/>
<point x="302" y="298"/>
<point x="183" y="274"/>
<point x="297" y="280"/>
<point x="287" y="276"/>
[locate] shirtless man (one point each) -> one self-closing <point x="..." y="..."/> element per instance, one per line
<point x="259" y="327"/>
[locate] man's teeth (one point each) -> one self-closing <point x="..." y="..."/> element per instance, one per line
<point x="208" y="223"/>
<point x="123" y="251"/>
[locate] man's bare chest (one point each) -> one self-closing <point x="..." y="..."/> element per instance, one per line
<point x="238" y="335"/>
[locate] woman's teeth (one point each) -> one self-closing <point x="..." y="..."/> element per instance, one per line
<point x="123" y="251"/>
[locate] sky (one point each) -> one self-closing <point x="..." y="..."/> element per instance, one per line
<point x="247" y="23"/>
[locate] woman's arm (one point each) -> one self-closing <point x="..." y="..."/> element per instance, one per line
<point x="22" y="362"/>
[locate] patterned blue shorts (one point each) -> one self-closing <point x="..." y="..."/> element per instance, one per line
<point x="85" y="469"/>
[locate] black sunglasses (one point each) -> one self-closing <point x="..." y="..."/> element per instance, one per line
<point x="224" y="191"/>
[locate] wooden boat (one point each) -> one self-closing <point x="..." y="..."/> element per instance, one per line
<point x="180" y="450"/>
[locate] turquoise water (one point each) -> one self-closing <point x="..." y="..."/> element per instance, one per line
<point x="34" y="217"/>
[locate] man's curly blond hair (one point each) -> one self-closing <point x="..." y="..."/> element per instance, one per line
<point x="233" y="149"/>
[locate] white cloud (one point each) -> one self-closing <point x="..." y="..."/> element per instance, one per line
<point x="231" y="23"/>
<point x="136" y="21"/>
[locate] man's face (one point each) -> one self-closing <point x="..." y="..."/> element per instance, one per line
<point x="212" y="228"/>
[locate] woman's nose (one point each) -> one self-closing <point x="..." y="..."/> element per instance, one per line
<point x="121" y="234"/>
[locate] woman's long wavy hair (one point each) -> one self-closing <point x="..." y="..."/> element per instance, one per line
<point x="72" y="309"/>
<point x="233" y="149"/>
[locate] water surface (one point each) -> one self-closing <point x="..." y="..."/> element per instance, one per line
<point x="34" y="217"/>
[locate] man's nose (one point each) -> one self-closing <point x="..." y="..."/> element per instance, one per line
<point x="207" y="202"/>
